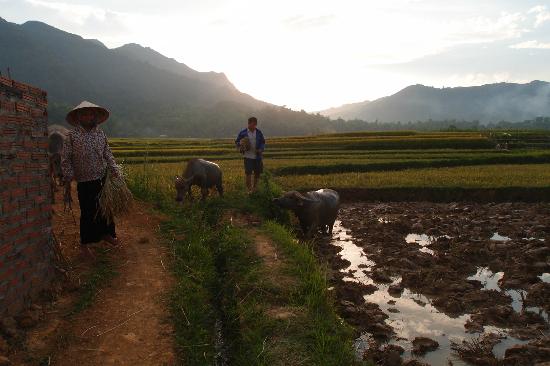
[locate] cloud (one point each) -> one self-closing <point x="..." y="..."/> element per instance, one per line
<point x="484" y="29"/>
<point x="72" y="12"/>
<point x="531" y="45"/>
<point x="302" y="22"/>
<point x="85" y="20"/>
<point x="542" y="14"/>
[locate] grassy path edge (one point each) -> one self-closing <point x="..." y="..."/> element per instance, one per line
<point x="217" y="278"/>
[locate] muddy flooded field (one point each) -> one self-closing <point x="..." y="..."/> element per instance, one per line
<point x="444" y="284"/>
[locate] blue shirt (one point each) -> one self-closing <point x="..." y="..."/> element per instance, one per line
<point x="260" y="140"/>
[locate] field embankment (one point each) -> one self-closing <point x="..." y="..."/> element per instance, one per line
<point x="246" y="291"/>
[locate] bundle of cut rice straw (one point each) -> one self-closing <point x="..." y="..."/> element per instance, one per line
<point x="115" y="199"/>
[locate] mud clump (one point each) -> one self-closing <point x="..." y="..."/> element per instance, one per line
<point x="528" y="354"/>
<point x="422" y="345"/>
<point x="353" y="291"/>
<point x="366" y="317"/>
<point x="482" y="260"/>
<point x="478" y="351"/>
<point x="389" y="355"/>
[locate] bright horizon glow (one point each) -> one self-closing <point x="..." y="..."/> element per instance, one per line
<point x="315" y="55"/>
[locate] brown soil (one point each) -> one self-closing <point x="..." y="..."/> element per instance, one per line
<point x="461" y="244"/>
<point x="128" y="322"/>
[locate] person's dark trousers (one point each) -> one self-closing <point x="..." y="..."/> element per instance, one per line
<point x="93" y="226"/>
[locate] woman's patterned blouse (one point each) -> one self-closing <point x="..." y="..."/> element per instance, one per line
<point x="86" y="155"/>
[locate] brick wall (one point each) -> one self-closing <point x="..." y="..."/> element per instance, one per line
<point x="26" y="265"/>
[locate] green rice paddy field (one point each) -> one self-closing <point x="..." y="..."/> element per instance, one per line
<point x="378" y="160"/>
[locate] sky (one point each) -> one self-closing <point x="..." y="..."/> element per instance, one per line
<point x="316" y="54"/>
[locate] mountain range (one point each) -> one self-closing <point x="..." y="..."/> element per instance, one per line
<point x="147" y="93"/>
<point x="486" y="103"/>
<point x="150" y="94"/>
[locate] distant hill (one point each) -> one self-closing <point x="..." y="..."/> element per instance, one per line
<point x="486" y="103"/>
<point x="148" y="94"/>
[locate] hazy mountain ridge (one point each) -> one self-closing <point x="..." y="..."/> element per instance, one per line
<point x="151" y="95"/>
<point x="486" y="103"/>
<point x="147" y="93"/>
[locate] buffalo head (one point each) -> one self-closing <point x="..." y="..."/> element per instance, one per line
<point x="182" y="186"/>
<point x="292" y="200"/>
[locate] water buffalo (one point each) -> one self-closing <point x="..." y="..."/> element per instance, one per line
<point x="315" y="210"/>
<point x="202" y="173"/>
<point x="56" y="139"/>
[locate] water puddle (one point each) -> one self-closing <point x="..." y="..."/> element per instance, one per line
<point x="498" y="237"/>
<point x="411" y="314"/>
<point x="489" y="281"/>
<point x="423" y="240"/>
<point x="360" y="264"/>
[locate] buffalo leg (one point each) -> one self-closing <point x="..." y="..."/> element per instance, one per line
<point x="204" y="192"/>
<point x="219" y="187"/>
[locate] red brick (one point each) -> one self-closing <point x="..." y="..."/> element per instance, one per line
<point x="5" y="81"/>
<point x="28" y="144"/>
<point x="33" y="211"/>
<point x="40" y="199"/>
<point x="26" y="204"/>
<point x="16" y="219"/>
<point x="8" y="131"/>
<point x="36" y="112"/>
<point x="8" y="182"/>
<point x="5" y="248"/>
<point x="17" y="192"/>
<point x="12" y="232"/>
<point x="37" y="156"/>
<point x="23" y="108"/>
<point x="21" y="86"/>
<point x="7" y="275"/>
<point x="23" y="155"/>
<point x="9" y="207"/>
<point x="38" y="133"/>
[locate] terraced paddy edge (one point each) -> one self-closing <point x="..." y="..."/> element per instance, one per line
<point x="442" y="194"/>
<point x="483" y="176"/>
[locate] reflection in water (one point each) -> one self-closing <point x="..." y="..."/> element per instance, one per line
<point x="497" y="237"/>
<point x="423" y="240"/>
<point x="416" y="316"/>
<point x="489" y="281"/>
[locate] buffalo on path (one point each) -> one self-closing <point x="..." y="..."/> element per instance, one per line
<point x="316" y="210"/>
<point x="202" y="173"/>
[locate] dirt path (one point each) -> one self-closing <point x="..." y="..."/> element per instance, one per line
<point x="128" y="323"/>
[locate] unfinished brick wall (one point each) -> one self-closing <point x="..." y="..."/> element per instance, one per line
<point x="25" y="196"/>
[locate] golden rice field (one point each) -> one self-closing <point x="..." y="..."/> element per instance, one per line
<point x="362" y="160"/>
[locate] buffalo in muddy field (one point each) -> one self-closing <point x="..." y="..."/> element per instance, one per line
<point x="316" y="210"/>
<point x="56" y="139"/>
<point x="202" y="173"/>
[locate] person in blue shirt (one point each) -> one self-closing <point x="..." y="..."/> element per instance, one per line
<point x="252" y="152"/>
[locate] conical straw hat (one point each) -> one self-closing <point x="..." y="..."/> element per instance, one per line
<point x="102" y="113"/>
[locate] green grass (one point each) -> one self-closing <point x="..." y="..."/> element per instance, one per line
<point x="219" y="277"/>
<point x="328" y="337"/>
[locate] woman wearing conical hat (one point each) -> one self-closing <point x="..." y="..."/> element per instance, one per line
<point x="86" y="158"/>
